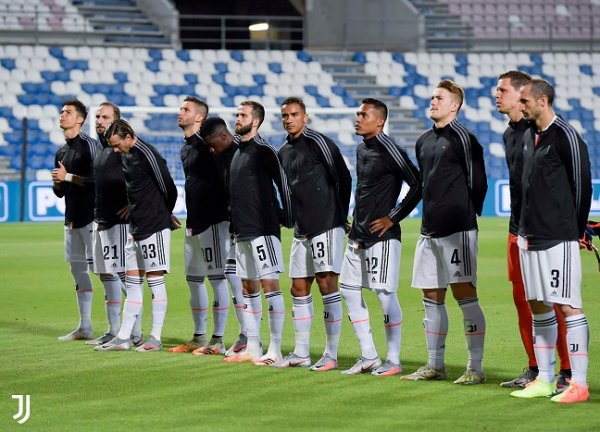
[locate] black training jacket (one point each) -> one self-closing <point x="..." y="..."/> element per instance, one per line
<point x="223" y="161"/>
<point x="454" y="179"/>
<point x="319" y="181"/>
<point x="513" y="142"/>
<point x="111" y="193"/>
<point x="382" y="166"/>
<point x="205" y="197"/>
<point x="77" y="155"/>
<point x="151" y="191"/>
<point x="557" y="186"/>
<point x="255" y="210"/>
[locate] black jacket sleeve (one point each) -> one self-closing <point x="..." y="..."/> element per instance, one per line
<point x="339" y="172"/>
<point x="272" y="165"/>
<point x="576" y="161"/>
<point x="477" y="177"/>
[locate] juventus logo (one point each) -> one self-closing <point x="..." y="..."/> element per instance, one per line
<point x="215" y="304"/>
<point x="574" y="347"/>
<point x="24" y="408"/>
<point x="386" y="319"/>
<point x="326" y="315"/>
<point x="471" y="328"/>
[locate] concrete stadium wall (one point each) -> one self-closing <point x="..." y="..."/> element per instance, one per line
<point x="382" y="25"/>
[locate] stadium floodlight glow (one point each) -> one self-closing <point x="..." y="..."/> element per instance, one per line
<point x="259" y="27"/>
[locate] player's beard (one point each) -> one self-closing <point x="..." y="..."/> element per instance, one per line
<point x="243" y="130"/>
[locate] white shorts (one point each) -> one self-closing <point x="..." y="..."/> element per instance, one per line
<point x="375" y="268"/>
<point x="553" y="275"/>
<point x="109" y="249"/>
<point x="206" y="253"/>
<point x="79" y="244"/>
<point x="445" y="260"/>
<point x="322" y="253"/>
<point x="151" y="254"/>
<point x="260" y="258"/>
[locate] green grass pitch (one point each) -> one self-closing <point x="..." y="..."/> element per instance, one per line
<point x="73" y="388"/>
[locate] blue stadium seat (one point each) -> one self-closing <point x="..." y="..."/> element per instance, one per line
<point x="183" y="55"/>
<point x="153" y="65"/>
<point x="236" y="55"/>
<point x="8" y="63"/>
<point x="275" y="67"/>
<point x="303" y="56"/>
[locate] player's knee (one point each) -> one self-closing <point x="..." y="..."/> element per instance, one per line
<point x="389" y="303"/>
<point x="436" y="295"/>
<point x="81" y="275"/>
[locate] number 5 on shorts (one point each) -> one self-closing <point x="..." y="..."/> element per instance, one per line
<point x="260" y="252"/>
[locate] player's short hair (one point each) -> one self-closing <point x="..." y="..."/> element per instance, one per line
<point x="79" y="107"/>
<point x="517" y="78"/>
<point x="541" y="87"/>
<point x="258" y="111"/>
<point x="294" y="100"/>
<point x="454" y="89"/>
<point x="120" y="128"/>
<point x="379" y="106"/>
<point x="211" y="126"/>
<point x="116" y="109"/>
<point x="203" y="105"/>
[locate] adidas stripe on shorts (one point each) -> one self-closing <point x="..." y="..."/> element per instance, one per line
<point x="151" y="254"/>
<point x="319" y="254"/>
<point x="259" y="257"/>
<point x="206" y="253"/>
<point x="79" y="244"/>
<point x="109" y="249"/>
<point x="552" y="275"/>
<point x="445" y="260"/>
<point x="375" y="268"/>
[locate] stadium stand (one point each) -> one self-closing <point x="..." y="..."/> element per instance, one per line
<point x="122" y="23"/>
<point x="35" y="79"/>
<point x="459" y="24"/>
<point x="96" y="22"/>
<point x="44" y="15"/>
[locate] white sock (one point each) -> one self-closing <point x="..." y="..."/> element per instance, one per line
<point x="276" y="318"/>
<point x="302" y="313"/>
<point x="198" y="303"/>
<point x="436" y="330"/>
<point x="359" y="317"/>
<point x="392" y="320"/>
<point x="474" y="323"/>
<point x="159" y="304"/>
<point x="137" y="326"/>
<point x="112" y="301"/>
<point x="578" y="340"/>
<point x="235" y="283"/>
<point x="84" y="292"/>
<point x="132" y="306"/>
<point x="545" y="332"/>
<point x="332" y="315"/>
<point x="220" y="305"/>
<point x="252" y="318"/>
